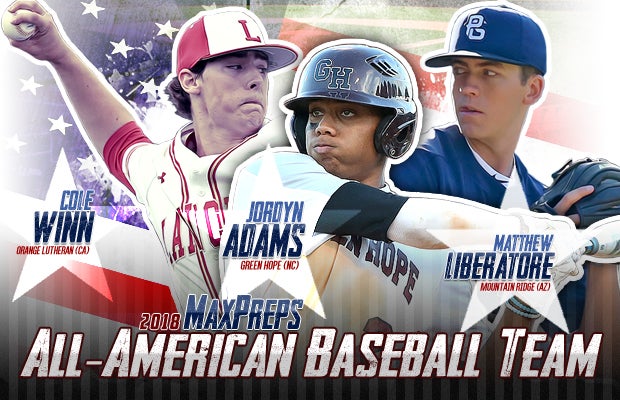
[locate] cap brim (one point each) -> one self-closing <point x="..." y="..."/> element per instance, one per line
<point x="280" y="56"/>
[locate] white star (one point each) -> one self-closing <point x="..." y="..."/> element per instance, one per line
<point x="30" y="85"/>
<point x="121" y="47"/>
<point x="92" y="8"/>
<point x="59" y="124"/>
<point x="14" y="143"/>
<point x="299" y="283"/>
<point x="38" y="267"/>
<point x="482" y="302"/>
<point x="151" y="89"/>
<point x="166" y="29"/>
<point x="89" y="164"/>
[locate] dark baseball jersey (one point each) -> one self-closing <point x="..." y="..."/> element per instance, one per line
<point x="445" y="164"/>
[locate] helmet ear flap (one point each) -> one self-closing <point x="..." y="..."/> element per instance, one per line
<point x="381" y="127"/>
<point x="298" y="129"/>
<point x="395" y="134"/>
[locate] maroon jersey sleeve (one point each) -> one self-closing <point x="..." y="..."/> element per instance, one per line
<point x="116" y="146"/>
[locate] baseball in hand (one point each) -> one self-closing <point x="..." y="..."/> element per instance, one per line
<point x="19" y="32"/>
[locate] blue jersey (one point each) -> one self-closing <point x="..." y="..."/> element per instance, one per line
<point x="445" y="164"/>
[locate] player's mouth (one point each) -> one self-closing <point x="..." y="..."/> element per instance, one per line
<point x="466" y="111"/>
<point x="322" y="147"/>
<point x="252" y="102"/>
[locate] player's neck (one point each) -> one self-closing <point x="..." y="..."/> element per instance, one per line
<point x="375" y="180"/>
<point x="211" y="141"/>
<point x="499" y="155"/>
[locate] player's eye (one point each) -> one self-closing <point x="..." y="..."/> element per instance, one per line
<point x="489" y="72"/>
<point x="316" y="114"/>
<point x="458" y="70"/>
<point x="347" y="113"/>
<point x="234" y="66"/>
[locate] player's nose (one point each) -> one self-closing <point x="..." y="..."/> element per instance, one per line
<point x="325" y="126"/>
<point x="468" y="86"/>
<point x="255" y="79"/>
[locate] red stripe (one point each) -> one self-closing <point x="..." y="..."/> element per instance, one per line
<point x="202" y="263"/>
<point x="117" y="144"/>
<point x="185" y="200"/>
<point x="130" y="296"/>
<point x="215" y="192"/>
<point x="569" y="123"/>
<point x="177" y="167"/>
<point x="207" y="275"/>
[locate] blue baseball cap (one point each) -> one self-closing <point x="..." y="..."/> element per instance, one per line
<point x="495" y="32"/>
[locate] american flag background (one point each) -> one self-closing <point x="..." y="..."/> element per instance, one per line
<point x="43" y="152"/>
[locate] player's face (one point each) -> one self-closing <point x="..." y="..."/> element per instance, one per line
<point x="489" y="99"/>
<point x="340" y="137"/>
<point x="234" y="93"/>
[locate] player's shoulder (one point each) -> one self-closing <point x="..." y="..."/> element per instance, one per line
<point x="294" y="170"/>
<point x="444" y="140"/>
<point x="145" y="161"/>
<point x="438" y="145"/>
<point x="152" y="148"/>
<point x="143" y="155"/>
<point x="283" y="158"/>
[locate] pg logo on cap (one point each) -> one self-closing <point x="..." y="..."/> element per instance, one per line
<point x="474" y="30"/>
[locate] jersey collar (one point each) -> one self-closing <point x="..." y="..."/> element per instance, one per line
<point x="501" y="178"/>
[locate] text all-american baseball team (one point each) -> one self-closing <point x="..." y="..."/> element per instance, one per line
<point x="342" y="220"/>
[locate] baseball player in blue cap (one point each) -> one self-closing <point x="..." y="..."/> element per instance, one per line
<point x="498" y="57"/>
<point x="497" y="53"/>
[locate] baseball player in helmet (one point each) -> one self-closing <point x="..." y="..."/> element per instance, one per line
<point x="372" y="77"/>
<point x="365" y="76"/>
<point x="221" y="64"/>
<point x="354" y="105"/>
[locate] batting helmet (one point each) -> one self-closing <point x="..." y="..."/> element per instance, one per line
<point x="360" y="72"/>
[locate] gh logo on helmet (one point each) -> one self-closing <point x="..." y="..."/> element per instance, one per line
<point x="473" y="25"/>
<point x="338" y="77"/>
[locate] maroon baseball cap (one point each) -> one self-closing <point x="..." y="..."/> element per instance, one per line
<point x="228" y="30"/>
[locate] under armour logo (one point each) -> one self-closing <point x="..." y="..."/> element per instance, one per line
<point x="249" y="38"/>
<point x="474" y="29"/>
<point x="339" y="77"/>
<point x="161" y="177"/>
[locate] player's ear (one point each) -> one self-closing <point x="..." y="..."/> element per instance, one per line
<point x="535" y="86"/>
<point x="189" y="81"/>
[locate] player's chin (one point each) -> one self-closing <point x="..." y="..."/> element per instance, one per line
<point x="253" y="122"/>
<point x="330" y="164"/>
<point x="470" y="128"/>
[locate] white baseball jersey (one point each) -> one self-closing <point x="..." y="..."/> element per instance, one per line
<point x="185" y="196"/>
<point x="364" y="284"/>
